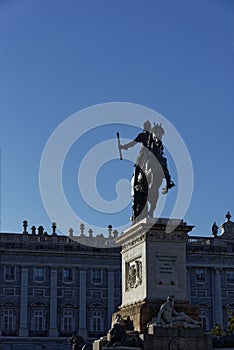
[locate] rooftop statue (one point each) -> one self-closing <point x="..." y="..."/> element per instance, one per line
<point x="214" y="229"/>
<point x="168" y="317"/>
<point x="150" y="170"/>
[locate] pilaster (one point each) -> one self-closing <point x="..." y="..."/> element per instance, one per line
<point x="53" y="331"/>
<point x="217" y="296"/>
<point x="82" y="304"/>
<point x="23" y="330"/>
<point x="111" y="295"/>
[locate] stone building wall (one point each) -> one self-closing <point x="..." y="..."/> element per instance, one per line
<point x="79" y="286"/>
<point x="52" y="286"/>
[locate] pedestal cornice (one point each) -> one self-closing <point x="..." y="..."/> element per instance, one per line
<point x="154" y="230"/>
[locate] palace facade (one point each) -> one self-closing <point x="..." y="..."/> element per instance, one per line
<point x="210" y="274"/>
<point x="53" y="286"/>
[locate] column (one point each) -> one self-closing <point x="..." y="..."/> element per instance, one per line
<point x="111" y="296"/>
<point x="82" y="305"/>
<point x="217" y="296"/>
<point x="53" y="331"/>
<point x="23" y="330"/>
<point x="188" y="270"/>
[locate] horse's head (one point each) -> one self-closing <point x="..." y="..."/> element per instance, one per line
<point x="158" y="131"/>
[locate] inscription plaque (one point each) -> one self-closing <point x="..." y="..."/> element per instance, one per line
<point x="166" y="268"/>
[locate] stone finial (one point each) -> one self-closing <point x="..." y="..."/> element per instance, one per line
<point x="228" y="216"/>
<point x="228" y="227"/>
<point x="33" y="229"/>
<point x="90" y="232"/>
<point x="40" y="230"/>
<point x="54" y="228"/>
<point x="82" y="227"/>
<point x="110" y="230"/>
<point x="25" y="225"/>
<point x="70" y="231"/>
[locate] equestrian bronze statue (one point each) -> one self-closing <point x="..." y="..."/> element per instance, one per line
<point x="150" y="170"/>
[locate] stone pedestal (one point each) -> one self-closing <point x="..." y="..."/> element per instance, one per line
<point x="153" y="267"/>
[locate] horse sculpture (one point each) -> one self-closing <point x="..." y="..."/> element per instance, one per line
<point x="150" y="170"/>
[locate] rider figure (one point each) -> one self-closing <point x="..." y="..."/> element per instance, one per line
<point x="150" y="141"/>
<point x="144" y="138"/>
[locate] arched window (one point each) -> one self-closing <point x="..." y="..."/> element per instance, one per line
<point x="68" y="312"/>
<point x="204" y="316"/>
<point x="96" y="311"/>
<point x="96" y="321"/>
<point x="39" y="313"/>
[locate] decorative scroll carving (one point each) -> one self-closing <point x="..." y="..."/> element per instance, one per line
<point x="168" y="236"/>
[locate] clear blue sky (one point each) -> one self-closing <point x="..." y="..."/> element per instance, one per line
<point x="58" y="57"/>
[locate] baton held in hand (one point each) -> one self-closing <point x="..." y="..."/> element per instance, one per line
<point x="120" y="151"/>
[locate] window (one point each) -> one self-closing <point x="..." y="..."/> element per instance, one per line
<point x="204" y="318"/>
<point x="68" y="275"/>
<point x="96" y="318"/>
<point x="96" y="276"/>
<point x="96" y="322"/>
<point x="39" y="274"/>
<point x="201" y="293"/>
<point x="67" y="321"/>
<point x="39" y="314"/>
<point x="230" y="276"/>
<point x="9" y="273"/>
<point x="200" y="276"/>
<point x="8" y="326"/>
<point x="38" y="321"/>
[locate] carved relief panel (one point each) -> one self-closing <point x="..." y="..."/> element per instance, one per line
<point x="133" y="273"/>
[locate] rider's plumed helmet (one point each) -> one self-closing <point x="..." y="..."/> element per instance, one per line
<point x="147" y="126"/>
